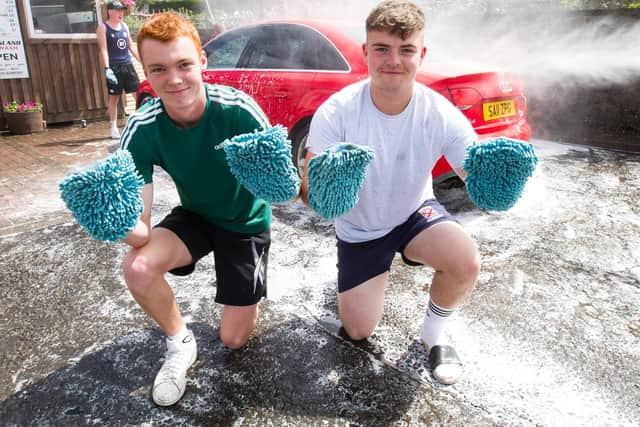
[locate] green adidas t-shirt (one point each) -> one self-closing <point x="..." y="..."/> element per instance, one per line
<point x="200" y="172"/>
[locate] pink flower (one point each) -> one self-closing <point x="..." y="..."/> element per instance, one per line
<point x="15" y="107"/>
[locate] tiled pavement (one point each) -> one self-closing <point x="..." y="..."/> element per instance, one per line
<point x="32" y="166"/>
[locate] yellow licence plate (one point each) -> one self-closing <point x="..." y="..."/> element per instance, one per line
<point x="496" y="110"/>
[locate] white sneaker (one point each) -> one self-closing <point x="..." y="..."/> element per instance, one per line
<point x="171" y="380"/>
<point x="115" y="133"/>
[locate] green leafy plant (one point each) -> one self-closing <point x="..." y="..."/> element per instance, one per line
<point x="134" y="22"/>
<point x="160" y="5"/>
<point x="15" y="107"/>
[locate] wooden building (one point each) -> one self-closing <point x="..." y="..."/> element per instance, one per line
<point x="62" y="69"/>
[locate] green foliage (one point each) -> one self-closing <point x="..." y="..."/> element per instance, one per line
<point x="134" y="22"/>
<point x="162" y="5"/>
<point x="199" y="20"/>
<point x="602" y="4"/>
<point x="203" y="22"/>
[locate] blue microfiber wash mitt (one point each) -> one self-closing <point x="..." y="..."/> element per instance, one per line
<point x="261" y="161"/>
<point x="497" y="171"/>
<point x="105" y="197"/>
<point x="335" y="177"/>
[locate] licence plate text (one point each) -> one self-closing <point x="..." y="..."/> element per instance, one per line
<point x="498" y="109"/>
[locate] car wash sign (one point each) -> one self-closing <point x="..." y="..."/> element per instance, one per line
<point x="13" y="61"/>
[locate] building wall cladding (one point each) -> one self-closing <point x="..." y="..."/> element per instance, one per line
<point x="64" y="75"/>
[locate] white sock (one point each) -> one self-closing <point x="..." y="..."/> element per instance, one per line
<point x="114" y="125"/>
<point x="181" y="335"/>
<point x="434" y="324"/>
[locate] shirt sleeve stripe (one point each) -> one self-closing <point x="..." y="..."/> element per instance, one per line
<point x="233" y="97"/>
<point x="136" y="120"/>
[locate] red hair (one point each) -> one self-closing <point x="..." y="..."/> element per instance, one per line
<point x="166" y="27"/>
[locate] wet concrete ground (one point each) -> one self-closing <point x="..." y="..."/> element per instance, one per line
<point x="550" y="336"/>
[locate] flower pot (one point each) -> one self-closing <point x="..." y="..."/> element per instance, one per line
<point x="24" y="122"/>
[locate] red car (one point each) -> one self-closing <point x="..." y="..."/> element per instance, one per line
<point x="291" y="67"/>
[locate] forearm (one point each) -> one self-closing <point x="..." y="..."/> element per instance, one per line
<point x="105" y="59"/>
<point x="304" y="193"/>
<point x="304" y="186"/>
<point x="139" y="236"/>
<point x="102" y="47"/>
<point x="134" y="51"/>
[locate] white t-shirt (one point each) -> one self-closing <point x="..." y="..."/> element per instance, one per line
<point x="406" y="148"/>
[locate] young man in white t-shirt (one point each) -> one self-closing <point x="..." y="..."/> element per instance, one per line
<point x="409" y="127"/>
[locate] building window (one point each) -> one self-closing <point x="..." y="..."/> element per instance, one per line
<point x="62" y="18"/>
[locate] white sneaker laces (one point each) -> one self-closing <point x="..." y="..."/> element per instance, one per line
<point x="170" y="381"/>
<point x="175" y="360"/>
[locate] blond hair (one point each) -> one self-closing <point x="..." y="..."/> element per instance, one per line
<point x="398" y="17"/>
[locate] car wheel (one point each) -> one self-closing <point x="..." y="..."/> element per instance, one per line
<point x="143" y="99"/>
<point x="448" y="182"/>
<point x="298" y="150"/>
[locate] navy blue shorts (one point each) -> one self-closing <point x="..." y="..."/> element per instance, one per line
<point x="240" y="259"/>
<point x="359" y="262"/>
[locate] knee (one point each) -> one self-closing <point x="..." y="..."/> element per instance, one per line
<point x="468" y="268"/>
<point x="357" y="332"/>
<point x="232" y="340"/>
<point x="138" y="273"/>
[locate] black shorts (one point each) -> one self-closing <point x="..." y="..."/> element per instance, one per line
<point x="127" y="79"/>
<point x="359" y="262"/>
<point x="240" y="259"/>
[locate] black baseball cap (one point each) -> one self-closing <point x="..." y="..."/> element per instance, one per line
<point x="116" y="4"/>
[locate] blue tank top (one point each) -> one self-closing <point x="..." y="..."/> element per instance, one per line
<point x="118" y="45"/>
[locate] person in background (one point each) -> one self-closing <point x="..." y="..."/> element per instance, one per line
<point x="409" y="127"/>
<point x="178" y="132"/>
<point x="116" y="48"/>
